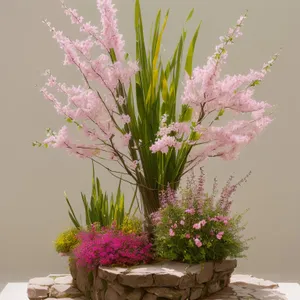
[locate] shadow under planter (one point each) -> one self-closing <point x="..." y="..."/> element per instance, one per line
<point x="167" y="280"/>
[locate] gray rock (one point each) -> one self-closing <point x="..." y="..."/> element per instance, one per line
<point x="136" y="281"/>
<point x="43" y="281"/>
<point x="196" y="293"/>
<point x="64" y="291"/>
<point x="187" y="281"/>
<point x="120" y="289"/>
<point x="225" y="265"/>
<point x="73" y="268"/>
<point x="111" y="294"/>
<point x="99" y="284"/>
<point x="204" y="272"/>
<point x="248" y="280"/>
<point x="168" y="293"/>
<point x="37" y="291"/>
<point x="150" y="297"/>
<point x="82" y="280"/>
<point x="136" y="294"/>
<point x="64" y="280"/>
<point x="213" y="287"/>
<point x="110" y="274"/>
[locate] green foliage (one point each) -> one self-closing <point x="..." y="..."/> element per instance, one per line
<point x="100" y="209"/>
<point x="154" y="94"/>
<point x="66" y="241"/>
<point x="182" y="246"/>
<point x="132" y="225"/>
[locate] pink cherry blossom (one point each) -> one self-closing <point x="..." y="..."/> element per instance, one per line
<point x="125" y="119"/>
<point x="126" y="139"/>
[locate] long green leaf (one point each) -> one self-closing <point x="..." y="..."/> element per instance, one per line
<point x="190" y="55"/>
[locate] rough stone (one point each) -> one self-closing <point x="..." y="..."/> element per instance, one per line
<point x="250" y="280"/>
<point x="64" y="280"/>
<point x="150" y="297"/>
<point x="64" y="291"/>
<point x="196" y="293"/>
<point x="187" y="281"/>
<point x="225" y="265"/>
<point x="73" y="268"/>
<point x="43" y="281"/>
<point x="111" y="294"/>
<point x="110" y="274"/>
<point x="82" y="280"/>
<point x="243" y="287"/>
<point x="204" y="272"/>
<point x="136" y="280"/>
<point x="168" y="293"/>
<point x="99" y="284"/>
<point x="120" y="289"/>
<point x="214" y="287"/>
<point x="37" y="291"/>
<point x="136" y="294"/>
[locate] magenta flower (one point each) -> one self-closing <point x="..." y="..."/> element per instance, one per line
<point x="112" y="247"/>
<point x="187" y="236"/>
<point x="220" y="235"/>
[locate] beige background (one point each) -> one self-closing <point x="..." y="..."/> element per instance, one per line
<point x="32" y="207"/>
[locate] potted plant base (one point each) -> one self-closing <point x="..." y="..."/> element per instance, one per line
<point x="165" y="280"/>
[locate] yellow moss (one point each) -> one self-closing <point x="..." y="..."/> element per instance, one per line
<point x="132" y="225"/>
<point x="66" y="241"/>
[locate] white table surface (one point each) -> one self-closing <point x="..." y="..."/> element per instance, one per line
<point x="18" y="291"/>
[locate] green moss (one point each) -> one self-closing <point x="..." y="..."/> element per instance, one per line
<point x="66" y="241"/>
<point x="132" y="225"/>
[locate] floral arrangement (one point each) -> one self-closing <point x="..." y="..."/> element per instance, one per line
<point x="133" y="122"/>
<point x="194" y="226"/>
<point x="130" y="109"/>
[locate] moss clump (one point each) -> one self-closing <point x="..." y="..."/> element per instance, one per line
<point x="66" y="241"/>
<point x="132" y="225"/>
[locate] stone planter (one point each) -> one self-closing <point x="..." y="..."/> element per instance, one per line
<point x="168" y="280"/>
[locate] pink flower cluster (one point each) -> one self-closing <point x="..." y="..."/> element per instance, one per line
<point x="94" y="113"/>
<point x="210" y="96"/>
<point x="112" y="247"/>
<point x="198" y="226"/>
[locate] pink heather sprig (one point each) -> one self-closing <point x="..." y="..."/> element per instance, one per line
<point x="225" y="201"/>
<point x="167" y="197"/>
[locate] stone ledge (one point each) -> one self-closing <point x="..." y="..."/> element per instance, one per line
<point x="241" y="287"/>
<point x="165" y="280"/>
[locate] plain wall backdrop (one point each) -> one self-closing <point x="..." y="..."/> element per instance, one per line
<point x="32" y="206"/>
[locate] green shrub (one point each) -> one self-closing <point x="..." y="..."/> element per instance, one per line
<point x="67" y="241"/>
<point x="195" y="228"/>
